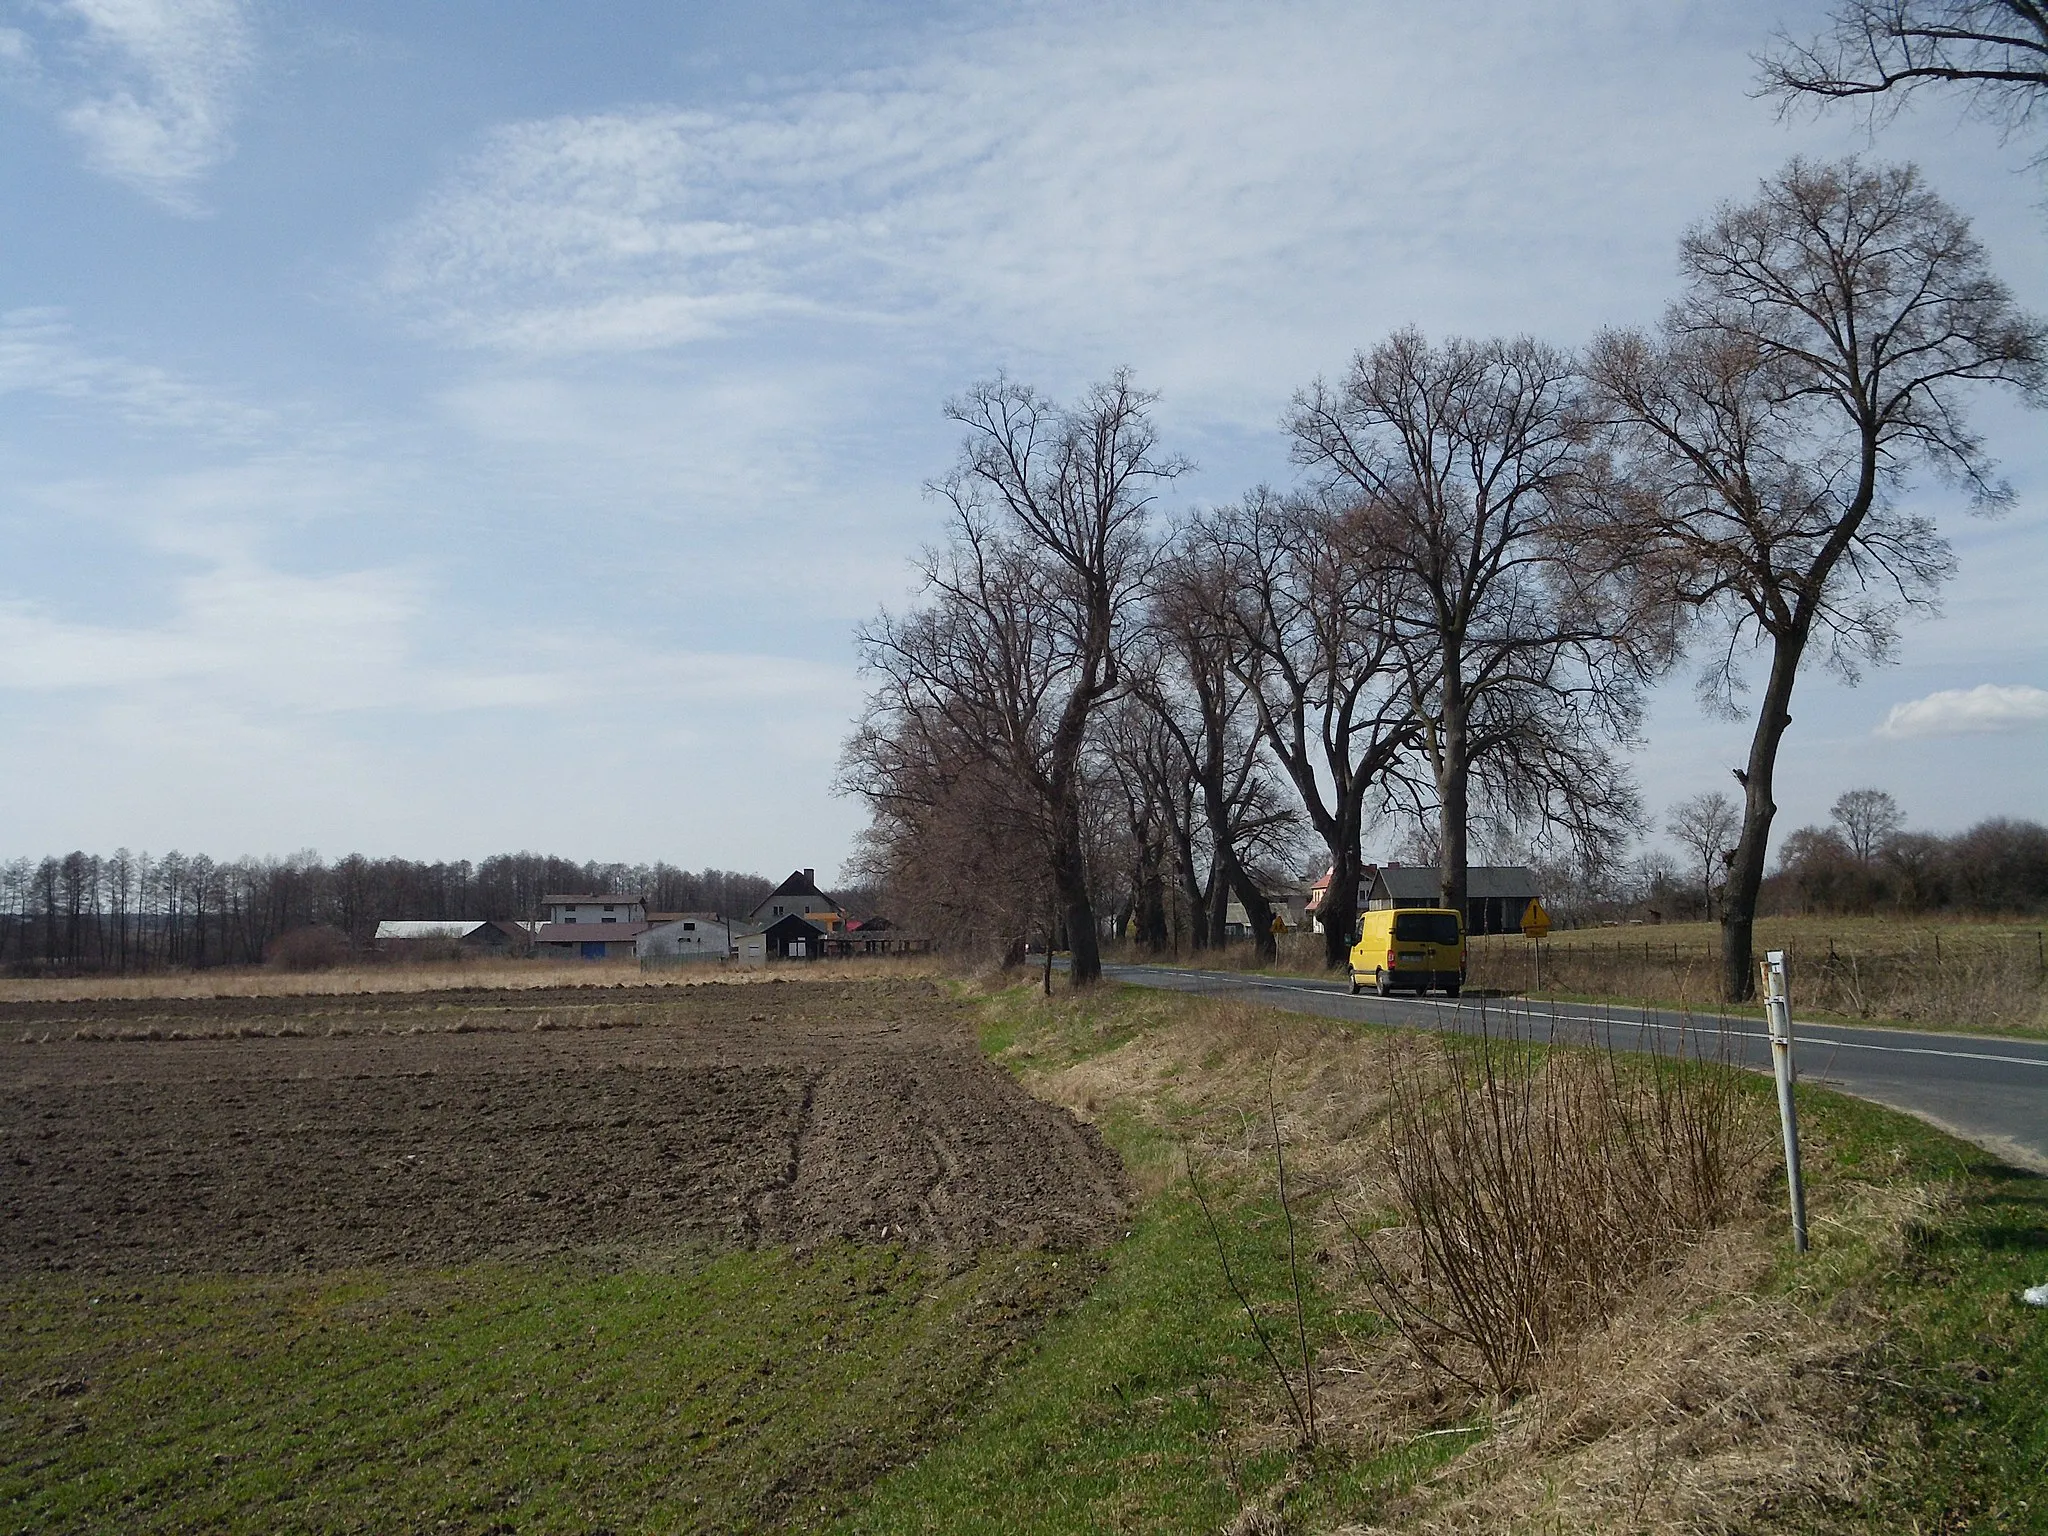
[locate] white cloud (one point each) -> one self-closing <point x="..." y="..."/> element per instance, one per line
<point x="154" y="102"/>
<point x="1987" y="708"/>
<point x="40" y="353"/>
<point x="1201" y="194"/>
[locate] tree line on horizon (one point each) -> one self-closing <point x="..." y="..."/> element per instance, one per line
<point x="1099" y="716"/>
<point x="131" y="912"/>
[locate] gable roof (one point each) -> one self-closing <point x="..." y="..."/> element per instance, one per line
<point x="802" y="929"/>
<point x="587" y="933"/>
<point x="406" y="928"/>
<point x="1416" y="882"/>
<point x="801" y="884"/>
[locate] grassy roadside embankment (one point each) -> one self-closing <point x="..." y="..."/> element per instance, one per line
<point x="1886" y="1382"/>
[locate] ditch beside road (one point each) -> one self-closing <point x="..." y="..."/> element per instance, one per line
<point x="1989" y="1090"/>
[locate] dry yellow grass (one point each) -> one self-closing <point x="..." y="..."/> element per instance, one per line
<point x="1696" y="1404"/>
<point x="348" y="981"/>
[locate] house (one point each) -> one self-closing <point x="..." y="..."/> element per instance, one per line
<point x="684" y="936"/>
<point x="586" y="908"/>
<point x="799" y="896"/>
<point x="1289" y="904"/>
<point x="1496" y="895"/>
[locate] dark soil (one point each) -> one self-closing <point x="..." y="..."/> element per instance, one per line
<point x="265" y="1134"/>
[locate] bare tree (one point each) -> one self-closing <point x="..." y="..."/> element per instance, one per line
<point x="1321" y="657"/>
<point x="1869" y="818"/>
<point x="1148" y="779"/>
<point x="1206" y="702"/>
<point x="1522" y="656"/>
<point x="1020" y="641"/>
<point x="1823" y="347"/>
<point x="1880" y="52"/>
<point x="1705" y="827"/>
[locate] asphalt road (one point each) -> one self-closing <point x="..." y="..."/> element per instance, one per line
<point x="1988" y="1089"/>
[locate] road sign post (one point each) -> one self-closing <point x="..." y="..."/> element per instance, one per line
<point x="1536" y="924"/>
<point x="1778" y="1012"/>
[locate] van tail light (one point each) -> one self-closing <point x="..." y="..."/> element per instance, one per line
<point x="1390" y="960"/>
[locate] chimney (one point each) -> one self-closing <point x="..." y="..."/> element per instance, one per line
<point x="810" y="877"/>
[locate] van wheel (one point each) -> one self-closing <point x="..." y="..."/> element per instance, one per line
<point x="1451" y="990"/>
<point x="1354" y="982"/>
<point x="1379" y="984"/>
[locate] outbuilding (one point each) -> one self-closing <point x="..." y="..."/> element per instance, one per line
<point x="685" y="936"/>
<point x="1496" y="895"/>
<point x="794" y="938"/>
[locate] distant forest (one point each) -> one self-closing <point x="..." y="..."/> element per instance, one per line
<point x="125" y="912"/>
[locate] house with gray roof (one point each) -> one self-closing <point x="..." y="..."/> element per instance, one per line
<point x="1496" y="895"/>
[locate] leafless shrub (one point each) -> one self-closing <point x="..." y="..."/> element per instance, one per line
<point x="320" y="947"/>
<point x="1532" y="1188"/>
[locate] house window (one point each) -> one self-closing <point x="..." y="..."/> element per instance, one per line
<point x="608" y="908"/>
<point x="570" y="917"/>
<point x="608" y="919"/>
<point x="689" y="927"/>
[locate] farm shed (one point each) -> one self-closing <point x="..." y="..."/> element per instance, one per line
<point x="794" y="938"/>
<point x="399" y="936"/>
<point x="685" y="936"/>
<point x="1496" y="895"/>
<point x="587" y="941"/>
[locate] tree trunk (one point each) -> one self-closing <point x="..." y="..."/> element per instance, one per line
<point x="1454" y="790"/>
<point x="1340" y="903"/>
<point x="1746" y="869"/>
<point x="1070" y="889"/>
<point x="1219" y="897"/>
<point x="1258" y="913"/>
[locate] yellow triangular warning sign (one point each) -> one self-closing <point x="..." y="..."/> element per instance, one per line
<point x="1536" y="921"/>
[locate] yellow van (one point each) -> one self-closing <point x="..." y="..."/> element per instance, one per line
<point x="1419" y="947"/>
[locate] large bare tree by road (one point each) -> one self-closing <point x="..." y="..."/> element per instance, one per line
<point x="1825" y="345"/>
<point x="1193" y="680"/>
<point x="1019" y="643"/>
<point x="1319" y="651"/>
<point x="1462" y="465"/>
<point x="1880" y="52"/>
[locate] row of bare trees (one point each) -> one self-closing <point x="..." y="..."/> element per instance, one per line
<point x="128" y="911"/>
<point x="1495" y="546"/>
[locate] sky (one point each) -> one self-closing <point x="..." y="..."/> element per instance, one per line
<point x="441" y="430"/>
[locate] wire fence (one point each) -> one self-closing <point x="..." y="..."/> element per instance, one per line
<point x="1957" y="979"/>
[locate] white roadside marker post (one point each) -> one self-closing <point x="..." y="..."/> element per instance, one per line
<point x="1778" y="1010"/>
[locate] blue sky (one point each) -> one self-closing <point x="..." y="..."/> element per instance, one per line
<point x="443" y="429"/>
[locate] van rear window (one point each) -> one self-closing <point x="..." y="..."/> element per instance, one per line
<point x="1426" y="928"/>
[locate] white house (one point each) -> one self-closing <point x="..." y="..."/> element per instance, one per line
<point x="687" y="936"/>
<point x="575" y="908"/>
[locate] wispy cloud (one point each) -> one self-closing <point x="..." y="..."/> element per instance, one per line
<point x="1985" y="709"/>
<point x="149" y="88"/>
<point x="40" y="353"/>
<point x="1087" y="180"/>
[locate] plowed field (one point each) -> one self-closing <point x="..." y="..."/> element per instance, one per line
<point x="267" y="1134"/>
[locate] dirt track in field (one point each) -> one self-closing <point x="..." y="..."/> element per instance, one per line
<point x="275" y="1134"/>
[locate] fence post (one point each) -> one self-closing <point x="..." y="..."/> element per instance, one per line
<point x="1778" y="1008"/>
